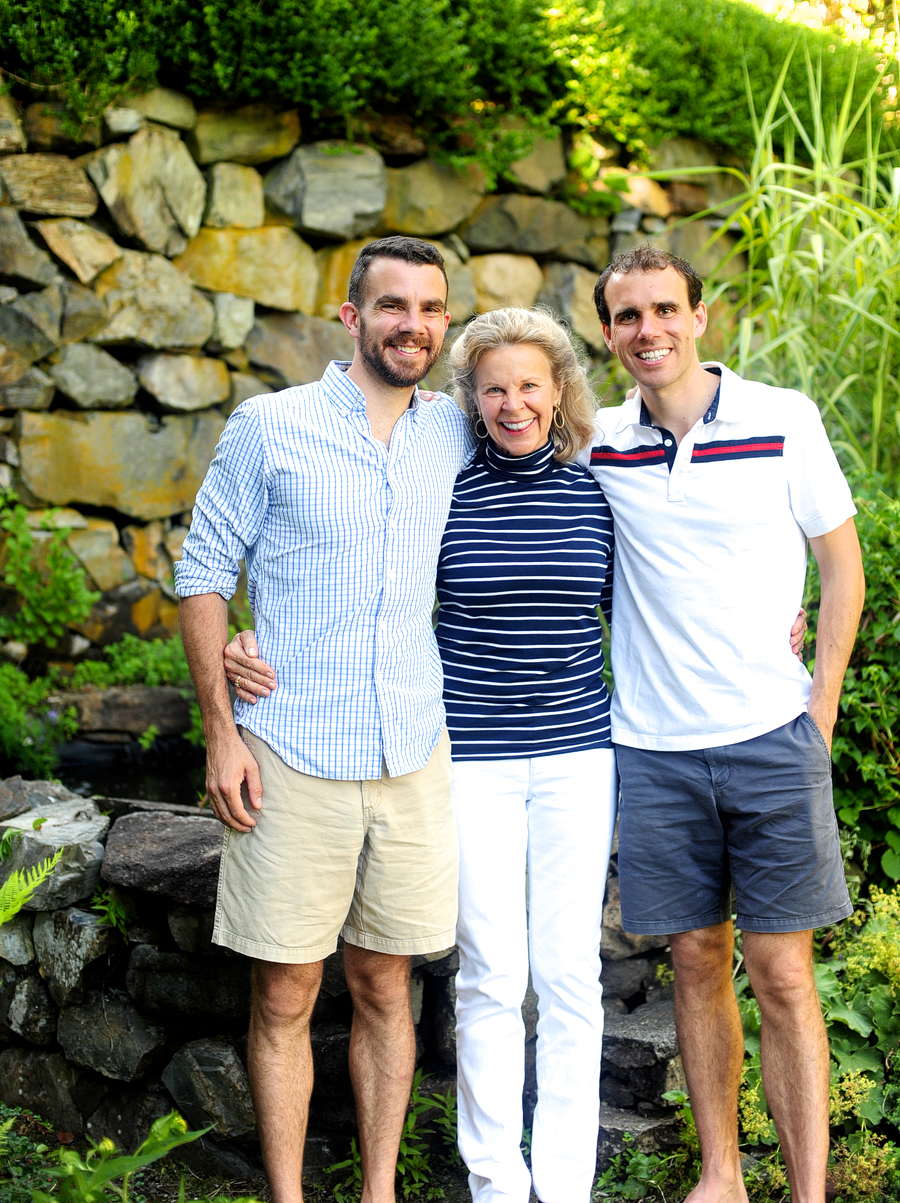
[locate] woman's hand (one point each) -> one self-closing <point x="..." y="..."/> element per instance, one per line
<point x="251" y="677"/>
<point x="798" y="631"/>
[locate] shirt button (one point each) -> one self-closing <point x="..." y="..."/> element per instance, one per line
<point x="668" y="442"/>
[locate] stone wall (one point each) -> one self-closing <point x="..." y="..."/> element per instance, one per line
<point x="178" y="262"/>
<point x="101" y="1035"/>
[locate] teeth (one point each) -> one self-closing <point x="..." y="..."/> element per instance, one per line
<point x="652" y="356"/>
<point x="517" y="425"/>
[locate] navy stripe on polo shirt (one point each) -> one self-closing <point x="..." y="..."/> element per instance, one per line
<point x="525" y="561"/>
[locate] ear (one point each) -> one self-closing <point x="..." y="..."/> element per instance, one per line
<point x="701" y="319"/>
<point x="607" y="337"/>
<point x="349" y="315"/>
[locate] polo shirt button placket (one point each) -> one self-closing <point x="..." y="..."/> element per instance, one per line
<point x="680" y="468"/>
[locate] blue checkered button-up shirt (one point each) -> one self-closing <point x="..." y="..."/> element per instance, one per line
<point x="341" y="537"/>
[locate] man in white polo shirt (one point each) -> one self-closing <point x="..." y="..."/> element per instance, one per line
<point x="717" y="484"/>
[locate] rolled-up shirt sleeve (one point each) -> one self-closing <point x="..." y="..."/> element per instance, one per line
<point x="229" y="511"/>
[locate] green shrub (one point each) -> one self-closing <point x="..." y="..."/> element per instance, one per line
<point x="29" y="727"/>
<point x="46" y="584"/>
<point x="134" y="661"/>
<point x="630" y="71"/>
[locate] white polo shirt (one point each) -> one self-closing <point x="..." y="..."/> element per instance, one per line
<point x="711" y="559"/>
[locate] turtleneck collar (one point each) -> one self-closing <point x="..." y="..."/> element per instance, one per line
<point x="521" y="467"/>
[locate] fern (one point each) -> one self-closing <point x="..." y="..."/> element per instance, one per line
<point x="22" y="883"/>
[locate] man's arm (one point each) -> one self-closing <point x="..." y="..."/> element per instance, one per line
<point x="229" y="762"/>
<point x="843" y="593"/>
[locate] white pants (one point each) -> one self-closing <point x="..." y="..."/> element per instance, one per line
<point x="554" y="817"/>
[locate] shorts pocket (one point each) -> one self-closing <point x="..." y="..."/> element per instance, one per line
<point x="811" y="722"/>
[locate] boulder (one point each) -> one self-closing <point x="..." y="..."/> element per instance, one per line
<point x="163" y="106"/>
<point x="210" y="1086"/>
<point x="65" y="943"/>
<point x="130" y="709"/>
<point x="49" y="126"/>
<point x="502" y="280"/>
<point x="30" y="325"/>
<point x="148" y="301"/>
<point x="684" y="159"/>
<point x="16" y="795"/>
<point x="12" y="136"/>
<point x="393" y="134"/>
<point x="184" y="382"/>
<point x="335" y="263"/>
<point x="118" y="122"/>
<point x="32" y="1013"/>
<point x="107" y="1034"/>
<point x="21" y="262"/>
<point x="331" y="1048"/>
<point x="16" y="942"/>
<point x="330" y="189"/>
<point x="165" y="854"/>
<point x="135" y="608"/>
<point x="298" y="348"/>
<point x="430" y="197"/>
<point x="48" y="1085"/>
<point x="152" y="188"/>
<point x="182" y="986"/>
<point x="192" y="928"/>
<point x="83" y="249"/>
<point x="77" y="829"/>
<point x="648" y="1134"/>
<point x="615" y="943"/>
<point x="272" y="265"/>
<point x="234" y="197"/>
<point x="243" y="386"/>
<point x="121" y="461"/>
<point x="50" y="184"/>
<point x="444" y="1004"/>
<point x="531" y="225"/>
<point x="127" y="1114"/>
<point x="251" y="135"/>
<point x="145" y="546"/>
<point x="543" y="167"/>
<point x="93" y="378"/>
<point x="641" y="1051"/>
<point x="84" y="314"/>
<point x="641" y="193"/>
<point x="234" y="320"/>
<point x="97" y="548"/>
<point x="624" y="979"/>
<point x="568" y="290"/>
<point x="33" y="390"/>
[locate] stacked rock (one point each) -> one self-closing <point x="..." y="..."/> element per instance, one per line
<point x="172" y="263"/>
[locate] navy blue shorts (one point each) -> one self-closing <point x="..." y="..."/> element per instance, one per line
<point x="757" y="814"/>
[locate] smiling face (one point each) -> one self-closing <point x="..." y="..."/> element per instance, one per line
<point x="654" y="330"/>
<point x="401" y="323"/>
<point x="516" y="396"/>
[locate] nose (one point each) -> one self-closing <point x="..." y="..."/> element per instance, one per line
<point x="649" y="326"/>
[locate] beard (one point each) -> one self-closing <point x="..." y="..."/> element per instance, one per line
<point x="395" y="375"/>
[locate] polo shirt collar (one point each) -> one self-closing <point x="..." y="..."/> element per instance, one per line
<point x="725" y="406"/>
<point x="343" y="393"/>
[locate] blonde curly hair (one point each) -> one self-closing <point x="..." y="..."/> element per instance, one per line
<point x="534" y="327"/>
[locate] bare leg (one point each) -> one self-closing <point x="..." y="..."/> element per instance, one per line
<point x="382" y="1061"/>
<point x="795" y="1061"/>
<point x="712" y="1047"/>
<point x="279" y="1059"/>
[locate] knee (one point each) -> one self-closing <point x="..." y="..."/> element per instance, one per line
<point x="379" y="987"/>
<point x="783" y="983"/>
<point x="284" y="995"/>
<point x="704" y="955"/>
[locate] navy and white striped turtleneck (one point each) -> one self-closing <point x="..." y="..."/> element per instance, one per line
<point x="525" y="560"/>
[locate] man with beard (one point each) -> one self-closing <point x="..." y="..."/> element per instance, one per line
<point x="334" y="788"/>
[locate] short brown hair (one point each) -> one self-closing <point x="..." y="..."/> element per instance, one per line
<point x="398" y="246"/>
<point x="514" y="327"/>
<point x="646" y="258"/>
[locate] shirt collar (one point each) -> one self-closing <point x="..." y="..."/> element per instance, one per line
<point x="724" y="407"/>
<point x="344" y="394"/>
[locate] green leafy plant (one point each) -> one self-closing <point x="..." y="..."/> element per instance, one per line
<point x="48" y="586"/>
<point x="148" y="738"/>
<point x="103" y="1174"/>
<point x="22" y="883"/>
<point x="23" y="1159"/>
<point x="115" y="910"/>
<point x="29" y="726"/>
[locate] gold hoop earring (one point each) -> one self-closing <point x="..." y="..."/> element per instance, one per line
<point x="483" y="433"/>
<point x="559" y="421"/>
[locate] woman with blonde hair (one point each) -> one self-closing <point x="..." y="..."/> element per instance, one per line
<point x="525" y="563"/>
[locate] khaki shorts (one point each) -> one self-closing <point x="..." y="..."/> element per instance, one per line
<point x="374" y="861"/>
